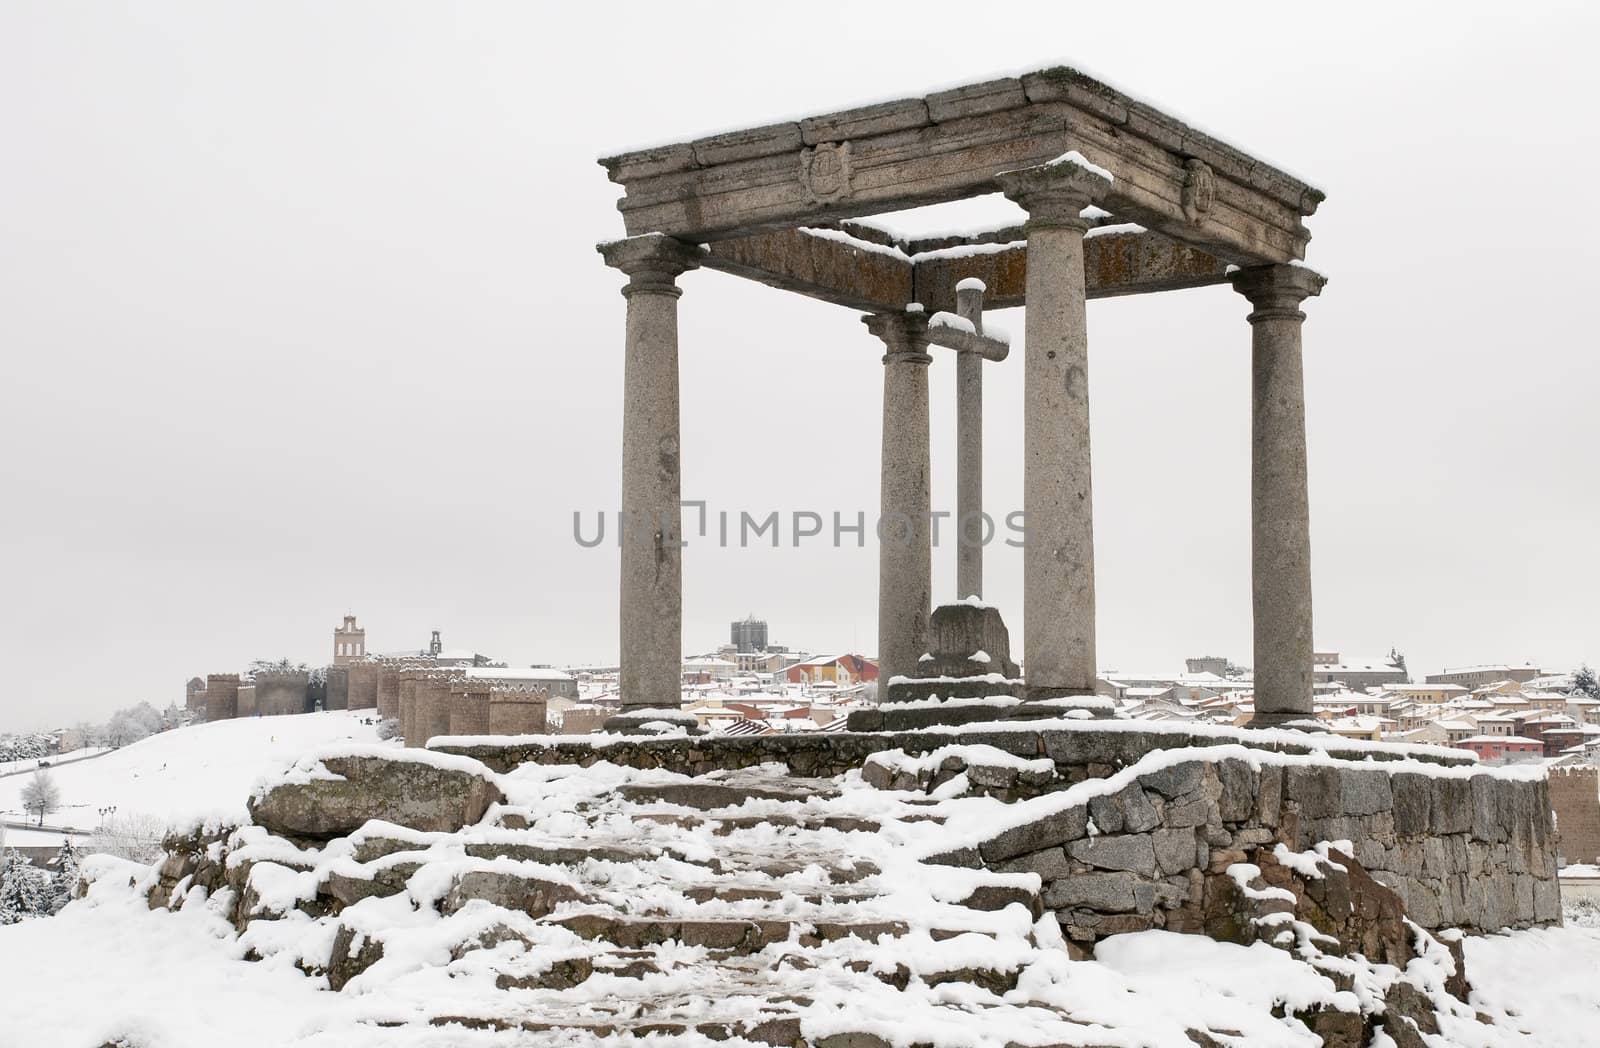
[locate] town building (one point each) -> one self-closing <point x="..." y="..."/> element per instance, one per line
<point x="349" y="642"/>
<point x="748" y="634"/>
<point x="1478" y="676"/>
<point x="1328" y="667"/>
<point x="1431" y="694"/>
<point x="834" y="669"/>
<point x="1502" y="749"/>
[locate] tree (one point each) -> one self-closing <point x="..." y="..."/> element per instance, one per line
<point x="64" y="882"/>
<point x="132" y="836"/>
<point x="133" y="724"/>
<point x="24" y="889"/>
<point x="41" y="795"/>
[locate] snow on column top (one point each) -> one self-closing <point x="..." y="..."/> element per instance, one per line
<point x="1076" y="159"/>
<point x="951" y="320"/>
<point x="971" y="284"/>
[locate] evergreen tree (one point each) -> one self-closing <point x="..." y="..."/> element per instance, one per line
<point x="24" y="890"/>
<point x="65" y="880"/>
<point x="1584" y="682"/>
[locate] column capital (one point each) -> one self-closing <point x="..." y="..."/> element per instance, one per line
<point x="653" y="261"/>
<point x="1055" y="194"/>
<point x="1276" y="291"/>
<point x="904" y="335"/>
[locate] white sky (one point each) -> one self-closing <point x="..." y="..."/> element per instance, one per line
<point x="300" y="314"/>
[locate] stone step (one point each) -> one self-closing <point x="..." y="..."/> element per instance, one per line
<point x="709" y="795"/>
<point x="732" y="935"/>
<point x="780" y="1030"/>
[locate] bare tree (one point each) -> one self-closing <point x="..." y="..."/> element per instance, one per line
<point x="41" y="795"/>
<point x="134" y="835"/>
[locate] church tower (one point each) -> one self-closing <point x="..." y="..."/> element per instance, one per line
<point x="349" y="642"/>
<point x="435" y="646"/>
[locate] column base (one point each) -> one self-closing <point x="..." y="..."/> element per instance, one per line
<point x="650" y="721"/>
<point x="1291" y="721"/>
<point x="1047" y="702"/>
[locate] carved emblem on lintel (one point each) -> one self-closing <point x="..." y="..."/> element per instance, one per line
<point x="1199" y="189"/>
<point x="825" y="171"/>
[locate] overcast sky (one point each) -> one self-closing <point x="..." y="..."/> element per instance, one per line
<point x="301" y="315"/>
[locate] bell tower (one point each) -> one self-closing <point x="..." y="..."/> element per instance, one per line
<point x="349" y="642"/>
<point x="435" y="646"/>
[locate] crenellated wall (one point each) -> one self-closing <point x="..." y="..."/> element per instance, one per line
<point x="280" y="694"/>
<point x="516" y="711"/>
<point x="338" y="693"/>
<point x="222" y="696"/>
<point x="363" y="690"/>
<point x="1575" y="794"/>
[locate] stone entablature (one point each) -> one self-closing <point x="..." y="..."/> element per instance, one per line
<point x="953" y="144"/>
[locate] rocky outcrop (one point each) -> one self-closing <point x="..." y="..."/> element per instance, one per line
<point x="333" y="796"/>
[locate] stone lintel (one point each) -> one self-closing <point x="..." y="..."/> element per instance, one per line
<point x="820" y="267"/>
<point x="954" y="144"/>
<point x="868" y="281"/>
<point x="1115" y="264"/>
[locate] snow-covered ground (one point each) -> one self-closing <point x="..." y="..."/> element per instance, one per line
<point x="184" y="774"/>
<point x="177" y="980"/>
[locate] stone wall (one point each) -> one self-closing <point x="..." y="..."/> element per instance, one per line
<point x="1080" y="750"/>
<point x="469" y="711"/>
<point x="364" y="685"/>
<point x="1575" y="795"/>
<point x="281" y="694"/>
<point x="245" y="704"/>
<point x="389" y="690"/>
<point x="1462" y="847"/>
<point x="516" y="711"/>
<point x="408" y="702"/>
<point x="222" y="696"/>
<point x="432" y="705"/>
<point x="1126" y="834"/>
<point x="338" y="693"/>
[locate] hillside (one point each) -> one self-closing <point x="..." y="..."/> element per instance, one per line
<point x="199" y="771"/>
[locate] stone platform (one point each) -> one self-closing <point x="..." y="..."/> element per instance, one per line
<point x="827" y="891"/>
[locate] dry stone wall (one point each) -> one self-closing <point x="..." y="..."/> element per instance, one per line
<point x="1461" y="846"/>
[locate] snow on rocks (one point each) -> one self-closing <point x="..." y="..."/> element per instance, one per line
<point x="334" y="793"/>
<point x="595" y="902"/>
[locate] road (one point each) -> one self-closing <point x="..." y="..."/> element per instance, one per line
<point x="46" y="828"/>
<point x="55" y="762"/>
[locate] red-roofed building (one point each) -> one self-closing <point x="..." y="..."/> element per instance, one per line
<point x="839" y="669"/>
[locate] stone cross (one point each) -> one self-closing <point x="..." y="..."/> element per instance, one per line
<point x="972" y="349"/>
